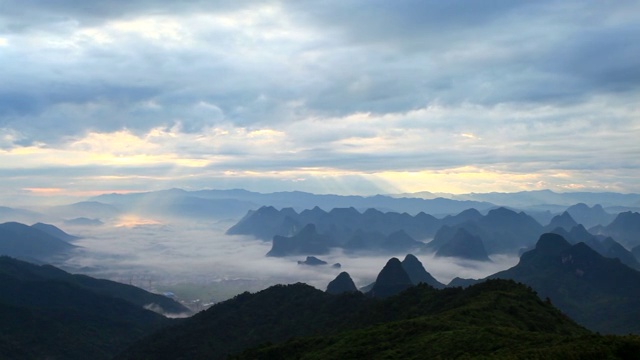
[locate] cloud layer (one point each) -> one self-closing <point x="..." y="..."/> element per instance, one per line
<point x="174" y="256"/>
<point x="332" y="96"/>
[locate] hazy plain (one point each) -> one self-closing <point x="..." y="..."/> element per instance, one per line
<point x="197" y="261"/>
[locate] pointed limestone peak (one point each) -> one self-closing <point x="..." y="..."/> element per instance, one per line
<point x="341" y="284"/>
<point x="391" y="280"/>
<point x="552" y="244"/>
<point x="417" y="273"/>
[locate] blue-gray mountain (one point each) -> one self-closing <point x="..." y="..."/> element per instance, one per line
<point x="605" y="246"/>
<point x="306" y="242"/>
<point x="564" y="221"/>
<point x="234" y="203"/>
<point x="625" y="229"/>
<point x="54" y="231"/>
<point x="463" y="245"/>
<point x="501" y="230"/>
<point x="31" y="242"/>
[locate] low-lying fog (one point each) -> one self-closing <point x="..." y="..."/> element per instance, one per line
<point x="198" y="261"/>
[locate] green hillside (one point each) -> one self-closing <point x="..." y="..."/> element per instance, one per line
<point x="492" y="319"/>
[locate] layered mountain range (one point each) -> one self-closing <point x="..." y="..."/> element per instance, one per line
<point x="469" y="234"/>
<point x="232" y="204"/>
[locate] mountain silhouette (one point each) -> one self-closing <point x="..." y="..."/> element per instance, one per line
<point x="306" y="242"/>
<point x="625" y="228"/>
<point x="564" y="221"/>
<point x="606" y="247"/>
<point x="464" y="245"/>
<point x="49" y="314"/>
<point x="599" y="293"/>
<point x="134" y="295"/>
<point x="391" y="280"/>
<point x="590" y="216"/>
<point x="417" y="273"/>
<point x="341" y="284"/>
<point x="400" y="242"/>
<point x="507" y="231"/>
<point x="636" y="252"/>
<point x="54" y="231"/>
<point x="83" y="221"/>
<point x="312" y="261"/>
<point x="347" y="227"/>
<point x="616" y="251"/>
<point x="26" y="242"/>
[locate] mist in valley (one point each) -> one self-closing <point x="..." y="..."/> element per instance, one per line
<point x="198" y="263"/>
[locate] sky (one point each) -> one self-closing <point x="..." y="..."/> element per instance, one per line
<point x="346" y="97"/>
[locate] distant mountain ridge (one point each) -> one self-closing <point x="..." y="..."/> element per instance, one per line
<point x="225" y="204"/>
<point x="237" y="202"/>
<point x="526" y="199"/>
<point x="500" y="231"/>
<point x="625" y="228"/>
<point x="464" y="245"/>
<point x="468" y="235"/>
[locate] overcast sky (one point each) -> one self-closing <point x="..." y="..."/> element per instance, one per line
<point x="343" y="96"/>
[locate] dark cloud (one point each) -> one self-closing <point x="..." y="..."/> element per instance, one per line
<point x="349" y="85"/>
<point x="26" y="15"/>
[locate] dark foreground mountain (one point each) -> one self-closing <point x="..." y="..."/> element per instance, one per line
<point x="49" y="314"/>
<point x="600" y="293"/>
<point x="272" y="315"/>
<point x="498" y="318"/>
<point x="461" y="331"/>
<point x="134" y="295"/>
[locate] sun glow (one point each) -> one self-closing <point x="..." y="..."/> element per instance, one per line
<point x="459" y="180"/>
<point x="134" y="220"/>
